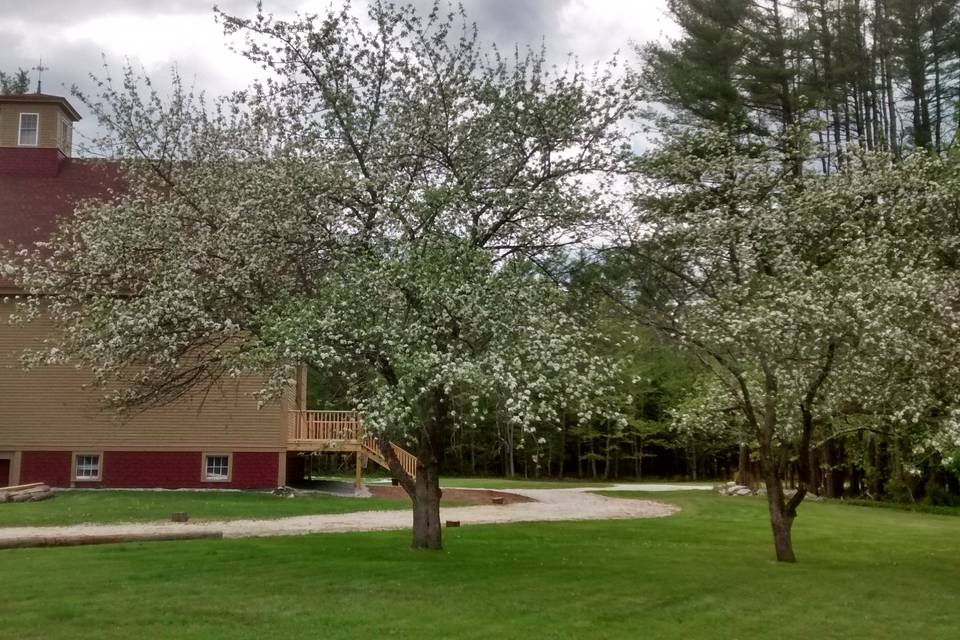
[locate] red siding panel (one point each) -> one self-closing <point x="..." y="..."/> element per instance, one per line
<point x="255" y="469"/>
<point x="52" y="467"/>
<point x="153" y="470"/>
<point x="37" y="162"/>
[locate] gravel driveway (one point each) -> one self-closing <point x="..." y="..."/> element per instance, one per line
<point x="548" y="505"/>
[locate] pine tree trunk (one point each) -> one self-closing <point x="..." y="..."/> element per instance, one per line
<point x="562" y="454"/>
<point x="593" y="459"/>
<point x="743" y="467"/>
<point x="693" y="460"/>
<point x="607" y="458"/>
<point x="638" y="456"/>
<point x="511" y="469"/>
<point x="579" y="456"/>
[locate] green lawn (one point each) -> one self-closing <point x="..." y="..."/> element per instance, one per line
<point x="75" y="507"/>
<point x="703" y="573"/>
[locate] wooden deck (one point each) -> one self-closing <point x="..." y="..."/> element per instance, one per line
<point x="342" y="431"/>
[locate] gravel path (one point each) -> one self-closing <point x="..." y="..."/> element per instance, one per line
<point x="548" y="505"/>
<point x="654" y="486"/>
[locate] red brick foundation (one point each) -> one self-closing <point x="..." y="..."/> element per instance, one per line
<point x="152" y="470"/>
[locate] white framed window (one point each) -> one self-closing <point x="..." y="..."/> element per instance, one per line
<point x="86" y="466"/>
<point x="29" y="129"/>
<point x="217" y="467"/>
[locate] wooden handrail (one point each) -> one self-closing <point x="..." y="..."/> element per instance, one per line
<point x="310" y="426"/>
<point x="407" y="460"/>
<point x="325" y="425"/>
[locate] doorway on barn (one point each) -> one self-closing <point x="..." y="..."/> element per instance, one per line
<point x="6" y="466"/>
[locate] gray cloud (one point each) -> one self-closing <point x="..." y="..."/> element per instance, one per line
<point x="71" y="35"/>
<point x="57" y="12"/>
<point x="509" y="22"/>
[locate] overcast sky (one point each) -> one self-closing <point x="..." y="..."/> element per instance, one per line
<point x="72" y="35"/>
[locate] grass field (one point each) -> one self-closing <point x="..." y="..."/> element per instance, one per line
<point x="76" y="507"/>
<point x="703" y="573"/>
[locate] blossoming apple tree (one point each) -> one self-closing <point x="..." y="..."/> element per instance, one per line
<point x="380" y="203"/>
<point x="820" y="303"/>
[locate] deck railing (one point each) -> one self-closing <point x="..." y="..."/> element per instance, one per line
<point x="325" y="425"/>
<point x="407" y="460"/>
<point x="328" y="426"/>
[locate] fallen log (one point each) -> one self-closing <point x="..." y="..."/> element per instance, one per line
<point x="34" y="496"/>
<point x="21" y="487"/>
<point x="104" y="538"/>
<point x="26" y="493"/>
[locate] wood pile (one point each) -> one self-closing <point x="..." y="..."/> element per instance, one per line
<point x="26" y="493"/>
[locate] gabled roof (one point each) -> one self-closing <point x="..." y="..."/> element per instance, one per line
<point x="31" y="206"/>
<point x="43" y="97"/>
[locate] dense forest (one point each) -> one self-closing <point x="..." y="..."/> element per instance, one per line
<point x="881" y="74"/>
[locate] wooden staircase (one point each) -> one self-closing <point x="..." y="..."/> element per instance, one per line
<point x="371" y="449"/>
<point x="342" y="431"/>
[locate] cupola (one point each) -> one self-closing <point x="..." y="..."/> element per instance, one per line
<point x="36" y="133"/>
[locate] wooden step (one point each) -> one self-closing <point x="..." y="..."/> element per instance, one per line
<point x="408" y="461"/>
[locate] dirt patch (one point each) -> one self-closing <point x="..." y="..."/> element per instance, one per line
<point x="451" y="496"/>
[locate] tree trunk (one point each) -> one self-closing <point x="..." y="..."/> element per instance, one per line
<point x="593" y="460"/>
<point x="692" y="460"/>
<point x="607" y="458"/>
<point x="638" y="452"/>
<point x="425" y="491"/>
<point x="782" y="511"/>
<point x="562" y="455"/>
<point x="511" y="468"/>
<point x="579" y="457"/>
<point x="743" y="468"/>
<point x="781" y="523"/>
<point x="426" y="508"/>
<point x="854" y="488"/>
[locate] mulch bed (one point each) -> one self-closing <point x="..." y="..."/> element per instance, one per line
<point x="459" y="496"/>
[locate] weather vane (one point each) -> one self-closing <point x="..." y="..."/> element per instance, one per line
<point x="40" y="69"/>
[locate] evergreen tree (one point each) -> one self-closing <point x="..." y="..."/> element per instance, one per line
<point x="14" y="84"/>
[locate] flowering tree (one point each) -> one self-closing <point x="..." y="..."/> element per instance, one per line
<point x="379" y="205"/>
<point x="809" y="297"/>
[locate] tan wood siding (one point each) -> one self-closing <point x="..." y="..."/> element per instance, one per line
<point x="50" y="116"/>
<point x="53" y="408"/>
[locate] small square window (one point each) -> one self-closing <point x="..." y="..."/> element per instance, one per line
<point x="29" y="124"/>
<point x="87" y="467"/>
<point x="216" y="468"/>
